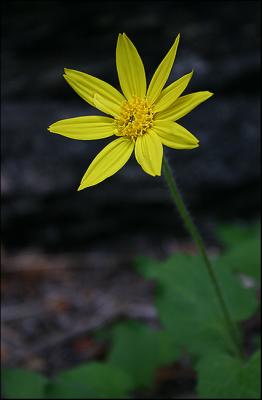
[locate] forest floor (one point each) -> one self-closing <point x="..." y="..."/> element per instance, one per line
<point x="53" y="305"/>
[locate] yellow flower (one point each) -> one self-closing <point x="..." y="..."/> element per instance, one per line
<point x="142" y="118"/>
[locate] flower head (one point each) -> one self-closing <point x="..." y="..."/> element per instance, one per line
<point x="143" y="119"/>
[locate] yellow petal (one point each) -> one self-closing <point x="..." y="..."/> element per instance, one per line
<point x="86" y="86"/>
<point x="84" y="128"/>
<point x="149" y="153"/>
<point x="106" y="105"/>
<point x="171" y="93"/>
<point x="130" y="68"/>
<point x="174" y="135"/>
<point x="162" y="73"/>
<point x="113" y="157"/>
<point x="183" y="105"/>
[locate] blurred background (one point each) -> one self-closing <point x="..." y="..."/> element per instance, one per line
<point x="67" y="255"/>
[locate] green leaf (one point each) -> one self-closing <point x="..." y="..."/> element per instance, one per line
<point x="242" y="252"/>
<point x="23" y="384"/>
<point x="93" y="380"/>
<point x="225" y="377"/>
<point x="188" y="305"/>
<point x="69" y="390"/>
<point x="245" y="258"/>
<point x="140" y="350"/>
<point x="233" y="234"/>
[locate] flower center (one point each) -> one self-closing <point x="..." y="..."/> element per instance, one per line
<point x="135" y="118"/>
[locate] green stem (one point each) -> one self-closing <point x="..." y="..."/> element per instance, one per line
<point x="192" y="229"/>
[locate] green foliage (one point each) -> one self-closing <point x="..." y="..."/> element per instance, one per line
<point x="192" y="321"/>
<point x="225" y="377"/>
<point x="243" y="252"/>
<point x="23" y="384"/>
<point x="93" y="380"/>
<point x="234" y="234"/>
<point x="140" y="350"/>
<point x="244" y="258"/>
<point x="187" y="303"/>
<point x="69" y="390"/>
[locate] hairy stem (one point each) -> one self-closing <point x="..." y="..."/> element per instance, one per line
<point x="192" y="229"/>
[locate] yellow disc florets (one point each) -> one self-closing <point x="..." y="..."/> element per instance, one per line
<point x="135" y="118"/>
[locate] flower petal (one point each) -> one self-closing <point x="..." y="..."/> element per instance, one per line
<point x="174" y="135"/>
<point x="130" y="68"/>
<point x="84" y="128"/>
<point x="86" y="86"/>
<point x="171" y="93"/>
<point x="107" y="162"/>
<point x="106" y="105"/>
<point x="183" y="105"/>
<point x="162" y="73"/>
<point x="149" y="153"/>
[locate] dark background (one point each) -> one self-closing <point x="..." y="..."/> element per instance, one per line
<point x="101" y="229"/>
<point x="41" y="171"/>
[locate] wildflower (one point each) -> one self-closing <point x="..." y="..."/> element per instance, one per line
<point x="143" y="119"/>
